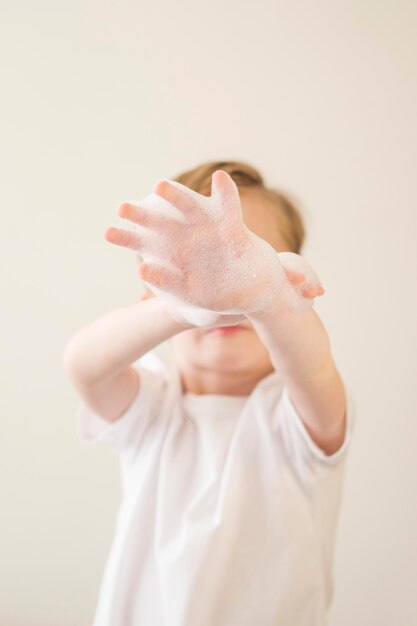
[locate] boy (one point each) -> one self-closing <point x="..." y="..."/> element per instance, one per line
<point x="231" y="456"/>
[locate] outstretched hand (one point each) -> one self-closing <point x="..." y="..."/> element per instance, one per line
<point x="198" y="250"/>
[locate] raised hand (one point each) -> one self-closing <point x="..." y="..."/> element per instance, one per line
<point x="198" y="251"/>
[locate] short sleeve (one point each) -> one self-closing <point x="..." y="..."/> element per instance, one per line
<point x="304" y="452"/>
<point x="128" y="430"/>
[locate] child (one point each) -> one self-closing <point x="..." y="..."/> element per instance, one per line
<point x="232" y="455"/>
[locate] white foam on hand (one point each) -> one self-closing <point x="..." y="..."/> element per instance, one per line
<point x="293" y="298"/>
<point x="199" y="256"/>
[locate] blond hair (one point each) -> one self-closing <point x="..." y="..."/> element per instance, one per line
<point x="289" y="218"/>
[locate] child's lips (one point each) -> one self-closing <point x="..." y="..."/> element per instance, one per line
<point x="227" y="330"/>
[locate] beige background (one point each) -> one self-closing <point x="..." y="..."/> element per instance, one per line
<point x="99" y="100"/>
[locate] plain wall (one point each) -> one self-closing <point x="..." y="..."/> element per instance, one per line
<point x="100" y="100"/>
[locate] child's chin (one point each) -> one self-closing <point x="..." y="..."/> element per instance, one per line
<point x="226" y="331"/>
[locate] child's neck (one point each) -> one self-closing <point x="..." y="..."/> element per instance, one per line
<point x="208" y="382"/>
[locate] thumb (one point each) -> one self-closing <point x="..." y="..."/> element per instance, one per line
<point x="225" y="190"/>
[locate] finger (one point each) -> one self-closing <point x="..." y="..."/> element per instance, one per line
<point x="226" y="190"/>
<point x="145" y="295"/>
<point x="175" y="195"/>
<point x="160" y="277"/>
<point x="140" y="215"/>
<point x="313" y="292"/>
<point x="125" y="238"/>
<point x="293" y="276"/>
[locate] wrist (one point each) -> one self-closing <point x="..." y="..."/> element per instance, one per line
<point x="287" y="302"/>
<point x="276" y="308"/>
<point x="176" y="321"/>
<point x="184" y="315"/>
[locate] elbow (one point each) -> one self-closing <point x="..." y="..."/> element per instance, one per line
<point x="76" y="363"/>
<point x="83" y="366"/>
<point x="70" y="359"/>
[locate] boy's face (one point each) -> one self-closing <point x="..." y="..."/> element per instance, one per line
<point x="231" y="361"/>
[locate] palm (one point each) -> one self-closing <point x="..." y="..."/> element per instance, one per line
<point x="197" y="249"/>
<point x="198" y="253"/>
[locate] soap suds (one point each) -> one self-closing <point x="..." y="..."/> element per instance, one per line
<point x="230" y="271"/>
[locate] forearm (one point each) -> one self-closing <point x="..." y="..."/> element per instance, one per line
<point x="104" y="348"/>
<point x="298" y="344"/>
<point x="299" y="349"/>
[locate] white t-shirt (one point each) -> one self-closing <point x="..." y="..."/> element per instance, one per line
<point x="229" y="509"/>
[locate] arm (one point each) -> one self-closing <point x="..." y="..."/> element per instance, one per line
<point x="299" y="348"/>
<point x="210" y="237"/>
<point x="98" y="358"/>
